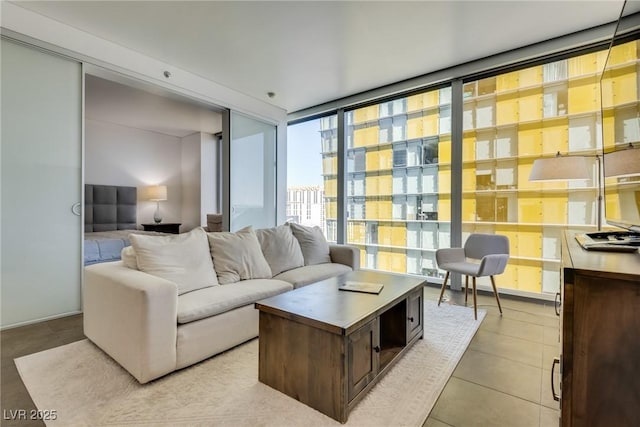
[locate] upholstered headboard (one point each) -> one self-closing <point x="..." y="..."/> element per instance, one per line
<point x="109" y="207"/>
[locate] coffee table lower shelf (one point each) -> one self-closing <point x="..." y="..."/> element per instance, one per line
<point x="330" y="369"/>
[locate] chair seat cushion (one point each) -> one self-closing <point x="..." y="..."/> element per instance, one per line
<point x="468" y="268"/>
<point x="208" y="302"/>
<point x="309" y="274"/>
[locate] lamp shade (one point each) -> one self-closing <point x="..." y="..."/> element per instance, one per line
<point x="157" y="193"/>
<point x="560" y="168"/>
<point x="622" y="163"/>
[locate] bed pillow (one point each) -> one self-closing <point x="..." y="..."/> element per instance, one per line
<point x="280" y="249"/>
<point x="315" y="247"/>
<point x="128" y="256"/>
<point x="181" y="258"/>
<point x="237" y="256"/>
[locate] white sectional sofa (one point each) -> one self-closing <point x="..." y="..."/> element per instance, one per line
<point x="176" y="300"/>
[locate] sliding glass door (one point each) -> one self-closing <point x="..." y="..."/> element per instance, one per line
<point x="41" y="184"/>
<point x="252" y="166"/>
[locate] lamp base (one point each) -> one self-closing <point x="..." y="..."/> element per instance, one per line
<point x="157" y="218"/>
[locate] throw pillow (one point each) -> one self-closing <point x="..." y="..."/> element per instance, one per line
<point x="128" y="256"/>
<point x="280" y="249"/>
<point x="315" y="247"/>
<point x="181" y="258"/>
<point x="237" y="256"/>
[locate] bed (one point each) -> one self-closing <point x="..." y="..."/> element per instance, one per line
<point x="109" y="218"/>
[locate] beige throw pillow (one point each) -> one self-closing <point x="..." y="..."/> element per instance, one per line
<point x="237" y="256"/>
<point x="181" y="258"/>
<point x="315" y="247"/>
<point x="280" y="249"/>
<point x="128" y="256"/>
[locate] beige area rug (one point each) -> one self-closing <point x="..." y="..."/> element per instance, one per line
<point x="87" y="388"/>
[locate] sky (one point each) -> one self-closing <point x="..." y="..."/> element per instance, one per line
<point x="304" y="162"/>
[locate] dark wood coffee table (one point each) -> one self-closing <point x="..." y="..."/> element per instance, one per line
<point x="327" y="348"/>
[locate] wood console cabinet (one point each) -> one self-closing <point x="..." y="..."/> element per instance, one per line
<point x="600" y="337"/>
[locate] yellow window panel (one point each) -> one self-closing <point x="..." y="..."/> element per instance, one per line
<point x="365" y="114"/>
<point x="385" y="158"/>
<point x="371" y="208"/>
<point x="430" y="124"/>
<point x="444" y="180"/>
<point x="398" y="262"/>
<point x="584" y="96"/>
<point x="444" y="150"/>
<point x="385" y="235"/>
<point x="331" y="187"/>
<point x="372" y="161"/>
<point x="583" y="65"/>
<point x="507" y="109"/>
<point x="360" y="137"/>
<point x="371" y="185"/>
<point x="529" y="140"/>
<point x="530" y="76"/>
<point x="431" y="99"/>
<point x="414" y="128"/>
<point x="356" y="232"/>
<point x="606" y="90"/>
<point x="385" y="185"/>
<point x="530" y="241"/>
<point x="530" y="277"/>
<point x="330" y="165"/>
<point x="554" y="185"/>
<point x="444" y="209"/>
<point x="414" y="103"/>
<point x="331" y="209"/>
<point x="608" y="129"/>
<point x="529" y="210"/>
<point x="555" y="209"/>
<point x="524" y="170"/>
<point x="507" y="81"/>
<point x="469" y="208"/>
<point x="469" y="147"/>
<point x="508" y="279"/>
<point x="363" y="259"/>
<point x="555" y="137"/>
<point x="399" y="235"/>
<point x="511" y="233"/>
<point x="625" y="86"/>
<point x="469" y="178"/>
<point x="384" y="260"/>
<point x="385" y="209"/>
<point x="623" y="54"/>
<point x="530" y="105"/>
<point x="612" y="202"/>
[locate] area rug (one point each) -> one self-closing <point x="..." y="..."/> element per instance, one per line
<point x="85" y="387"/>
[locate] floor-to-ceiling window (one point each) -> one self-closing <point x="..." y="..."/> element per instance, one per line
<point x="312" y="174"/>
<point x="398" y="181"/>
<point x="399" y="165"/>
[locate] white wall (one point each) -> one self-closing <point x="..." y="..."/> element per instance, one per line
<point x="120" y="155"/>
<point x="190" y="162"/>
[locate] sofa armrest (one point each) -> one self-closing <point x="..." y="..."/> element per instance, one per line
<point x="345" y="254"/>
<point x="132" y="316"/>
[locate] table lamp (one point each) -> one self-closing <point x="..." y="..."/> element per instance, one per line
<point x="157" y="193"/>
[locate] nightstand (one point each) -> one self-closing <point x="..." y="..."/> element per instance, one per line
<point x="163" y="227"/>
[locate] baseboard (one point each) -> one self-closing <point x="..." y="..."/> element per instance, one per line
<point x="43" y="319"/>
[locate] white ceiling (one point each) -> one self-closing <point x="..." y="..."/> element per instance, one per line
<point x="311" y="52"/>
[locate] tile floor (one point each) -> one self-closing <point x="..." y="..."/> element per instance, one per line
<point x="503" y="378"/>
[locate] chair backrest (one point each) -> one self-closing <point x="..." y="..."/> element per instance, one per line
<point x="479" y="245"/>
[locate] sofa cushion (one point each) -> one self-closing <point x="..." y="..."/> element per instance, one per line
<point x="181" y="258"/>
<point x="309" y="274"/>
<point x="315" y="248"/>
<point x="280" y="248"/>
<point x="237" y="256"/>
<point x="220" y="299"/>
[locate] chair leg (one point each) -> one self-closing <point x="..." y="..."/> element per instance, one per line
<point x="446" y="276"/>
<point x="466" y="289"/>
<point x="475" y="300"/>
<point x="495" y="291"/>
